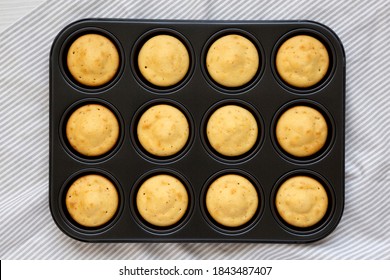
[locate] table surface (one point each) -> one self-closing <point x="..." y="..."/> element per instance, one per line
<point x="13" y="10"/>
<point x="27" y="30"/>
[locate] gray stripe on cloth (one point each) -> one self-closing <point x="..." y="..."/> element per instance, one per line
<point x="26" y="228"/>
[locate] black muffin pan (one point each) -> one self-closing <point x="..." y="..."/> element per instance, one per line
<point x="128" y="164"/>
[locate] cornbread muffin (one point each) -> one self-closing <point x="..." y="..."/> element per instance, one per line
<point x="163" y="60"/>
<point x="232" y="200"/>
<point x="301" y="201"/>
<point x="302" y="61"/>
<point x="93" y="60"/>
<point x="232" y="60"/>
<point x="92" y="200"/>
<point x="162" y="200"/>
<point x="301" y="131"/>
<point x="163" y="130"/>
<point x="92" y="130"/>
<point x="232" y="130"/>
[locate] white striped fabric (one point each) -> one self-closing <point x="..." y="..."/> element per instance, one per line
<point x="27" y="230"/>
<point x="12" y="10"/>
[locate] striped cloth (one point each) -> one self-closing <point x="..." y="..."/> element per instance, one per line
<point x="27" y="230"/>
<point x="11" y="10"/>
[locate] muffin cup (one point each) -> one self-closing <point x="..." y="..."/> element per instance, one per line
<point x="332" y="60"/>
<point x="134" y="60"/>
<point x="63" y="59"/>
<point x="256" y="77"/>
<point x="232" y="159"/>
<point x="161" y="230"/>
<point x="329" y="140"/>
<point x="70" y="150"/>
<point x="234" y="230"/>
<point x="142" y="151"/>
<point x="70" y="222"/>
<point x="325" y="219"/>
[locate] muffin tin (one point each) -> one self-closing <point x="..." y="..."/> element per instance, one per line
<point x="128" y="95"/>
